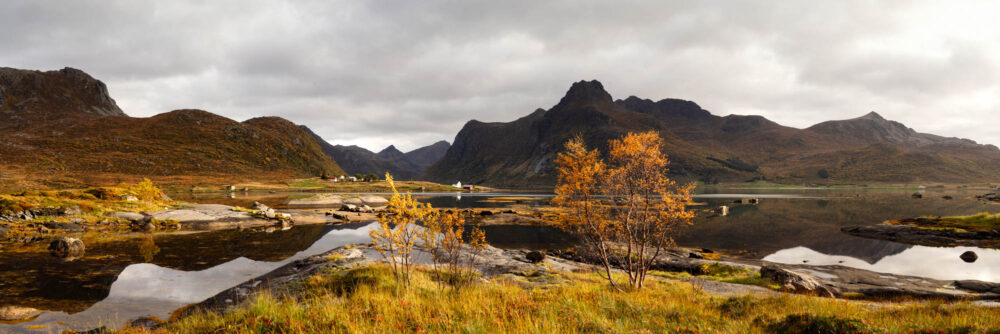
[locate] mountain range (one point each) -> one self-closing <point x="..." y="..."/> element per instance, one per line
<point x="404" y="166"/>
<point x="711" y="148"/>
<point x="61" y="128"/>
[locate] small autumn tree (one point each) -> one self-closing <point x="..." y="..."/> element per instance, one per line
<point x="445" y="238"/>
<point x="626" y="208"/>
<point x="146" y="191"/>
<point x="398" y="231"/>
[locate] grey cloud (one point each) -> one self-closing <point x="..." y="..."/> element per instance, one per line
<point x="409" y="73"/>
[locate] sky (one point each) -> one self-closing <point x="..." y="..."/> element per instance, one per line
<point x="410" y="73"/>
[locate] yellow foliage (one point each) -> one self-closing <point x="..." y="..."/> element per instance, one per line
<point x="627" y="209"/>
<point x="398" y="232"/>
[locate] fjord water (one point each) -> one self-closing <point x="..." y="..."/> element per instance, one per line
<point x="124" y="277"/>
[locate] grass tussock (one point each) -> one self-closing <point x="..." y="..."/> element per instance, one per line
<point x="370" y="300"/>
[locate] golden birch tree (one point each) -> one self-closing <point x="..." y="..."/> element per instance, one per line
<point x="398" y="232"/>
<point x="627" y="208"/>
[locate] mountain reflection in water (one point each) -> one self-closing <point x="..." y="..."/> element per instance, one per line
<point x="152" y="289"/>
<point x="931" y="262"/>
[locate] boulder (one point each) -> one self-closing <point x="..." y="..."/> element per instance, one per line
<point x="129" y="216"/>
<point x="917" y="195"/>
<point x="969" y="256"/>
<point x="354" y="201"/>
<point x="265" y="210"/>
<point x="366" y="209"/>
<point x="349" y="208"/>
<point x="375" y="200"/>
<point x="795" y="281"/>
<point x="67" y="247"/>
<point x="16" y="313"/>
<point x="486" y="213"/>
<point x="535" y="256"/>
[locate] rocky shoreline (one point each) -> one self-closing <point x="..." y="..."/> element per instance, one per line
<point x="915" y="235"/>
<point x="525" y="267"/>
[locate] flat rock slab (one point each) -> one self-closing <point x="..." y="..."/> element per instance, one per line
<point x="318" y="200"/>
<point x="209" y="217"/>
<point x="17" y="313"/>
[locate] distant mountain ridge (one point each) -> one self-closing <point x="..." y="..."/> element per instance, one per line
<point x="404" y="166"/>
<point x="62" y="128"/>
<point x="711" y="148"/>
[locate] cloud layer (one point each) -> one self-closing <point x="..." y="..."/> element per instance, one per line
<point x="409" y="73"/>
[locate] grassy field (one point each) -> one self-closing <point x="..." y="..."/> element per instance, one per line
<point x="368" y="300"/>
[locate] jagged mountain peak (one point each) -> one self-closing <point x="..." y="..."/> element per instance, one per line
<point x="390" y="151"/>
<point x="873" y="116"/>
<point x="586" y="92"/>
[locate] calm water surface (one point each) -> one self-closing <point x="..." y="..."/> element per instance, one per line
<point x="127" y="277"/>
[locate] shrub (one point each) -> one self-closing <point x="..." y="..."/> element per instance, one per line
<point x="817" y="324"/>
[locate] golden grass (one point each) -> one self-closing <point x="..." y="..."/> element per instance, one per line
<point x="368" y="300"/>
<point x="93" y="204"/>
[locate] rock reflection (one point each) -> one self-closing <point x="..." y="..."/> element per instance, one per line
<point x="931" y="262"/>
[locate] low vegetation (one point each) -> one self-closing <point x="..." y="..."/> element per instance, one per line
<point x="83" y="206"/>
<point x="977" y="222"/>
<point x="370" y="300"/>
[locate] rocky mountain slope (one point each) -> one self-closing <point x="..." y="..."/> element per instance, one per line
<point x="62" y="128"/>
<point x="710" y="148"/>
<point x="404" y="166"/>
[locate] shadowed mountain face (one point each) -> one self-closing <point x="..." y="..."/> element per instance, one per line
<point x="710" y="148"/>
<point x="34" y="96"/>
<point x="61" y="128"/>
<point x="403" y="166"/>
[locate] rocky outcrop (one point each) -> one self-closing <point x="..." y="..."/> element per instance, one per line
<point x="795" y="281"/>
<point x="915" y="235"/>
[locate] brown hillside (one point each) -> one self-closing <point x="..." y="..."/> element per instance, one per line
<point x="58" y="143"/>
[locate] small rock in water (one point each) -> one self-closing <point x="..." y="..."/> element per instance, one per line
<point x="15" y="313"/>
<point x="969" y="256"/>
<point x="67" y="247"/>
<point x="917" y="195"/>
<point x="947" y="197"/>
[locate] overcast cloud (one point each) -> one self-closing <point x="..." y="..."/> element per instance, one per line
<point x="374" y="73"/>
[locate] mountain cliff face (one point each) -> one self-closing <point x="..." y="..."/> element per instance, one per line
<point x="34" y="96"/>
<point x="67" y="131"/>
<point x="403" y="166"/>
<point x="710" y="148"/>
